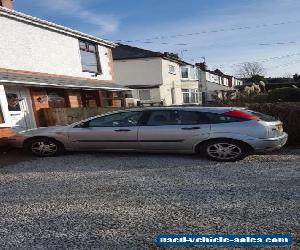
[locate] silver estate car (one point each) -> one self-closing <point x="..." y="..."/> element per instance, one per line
<point x="221" y="134"/>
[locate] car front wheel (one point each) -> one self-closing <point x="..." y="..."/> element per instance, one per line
<point x="44" y="147"/>
<point x="224" y="150"/>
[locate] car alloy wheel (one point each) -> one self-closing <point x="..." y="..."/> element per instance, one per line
<point x="44" y="148"/>
<point x="224" y="151"/>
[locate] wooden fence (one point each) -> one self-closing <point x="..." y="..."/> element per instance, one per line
<point x="63" y="116"/>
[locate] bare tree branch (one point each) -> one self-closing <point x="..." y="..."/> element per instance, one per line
<point x="250" y="69"/>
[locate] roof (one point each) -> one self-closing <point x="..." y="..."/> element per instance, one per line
<point x="52" y="26"/>
<point x="44" y="80"/>
<point x="123" y="51"/>
<point x="188" y="108"/>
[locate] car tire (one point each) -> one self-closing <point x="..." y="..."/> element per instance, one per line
<point x="224" y="150"/>
<point x="44" y="147"/>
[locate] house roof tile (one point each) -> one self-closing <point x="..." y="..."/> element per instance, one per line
<point x="43" y="80"/>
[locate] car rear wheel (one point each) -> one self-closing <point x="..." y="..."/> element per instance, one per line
<point x="45" y="147"/>
<point x="224" y="150"/>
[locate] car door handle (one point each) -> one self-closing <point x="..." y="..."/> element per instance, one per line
<point x="122" y="130"/>
<point x="190" y="128"/>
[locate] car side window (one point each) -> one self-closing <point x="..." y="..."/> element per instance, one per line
<point x="219" y="118"/>
<point x="193" y="118"/>
<point x="163" y="117"/>
<point x="122" y="119"/>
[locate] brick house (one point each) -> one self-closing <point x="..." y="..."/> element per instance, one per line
<point x="45" y="65"/>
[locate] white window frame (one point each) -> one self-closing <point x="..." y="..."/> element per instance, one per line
<point x="188" y="71"/>
<point x="172" y="69"/>
<point x="190" y="91"/>
<point x="192" y="73"/>
<point x="4" y="107"/>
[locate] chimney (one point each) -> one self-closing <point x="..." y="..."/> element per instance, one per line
<point x="7" y="4"/>
<point x="202" y="66"/>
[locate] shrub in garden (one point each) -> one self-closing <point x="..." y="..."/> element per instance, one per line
<point x="287" y="94"/>
<point x="288" y="113"/>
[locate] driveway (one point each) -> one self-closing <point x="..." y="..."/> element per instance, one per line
<point x="122" y="201"/>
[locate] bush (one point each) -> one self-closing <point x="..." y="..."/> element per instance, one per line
<point x="288" y="113"/>
<point x="287" y="94"/>
<point x="261" y="98"/>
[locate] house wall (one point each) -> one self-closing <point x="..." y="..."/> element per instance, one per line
<point x="38" y="49"/>
<point x="145" y="71"/>
<point x="171" y="83"/>
<point x="154" y="94"/>
<point x="151" y="71"/>
<point x="189" y="84"/>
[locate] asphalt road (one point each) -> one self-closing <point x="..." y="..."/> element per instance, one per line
<point x="122" y="201"/>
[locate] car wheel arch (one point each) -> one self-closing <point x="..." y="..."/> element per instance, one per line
<point x="28" y="140"/>
<point x="198" y="146"/>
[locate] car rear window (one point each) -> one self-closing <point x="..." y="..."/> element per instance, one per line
<point x="193" y="117"/>
<point x="220" y="118"/>
<point x="261" y="116"/>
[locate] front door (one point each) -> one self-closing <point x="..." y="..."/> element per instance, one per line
<point x="114" y="131"/>
<point x="18" y="108"/>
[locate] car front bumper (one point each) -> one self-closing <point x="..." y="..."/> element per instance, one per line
<point x="17" y="141"/>
<point x="270" y="144"/>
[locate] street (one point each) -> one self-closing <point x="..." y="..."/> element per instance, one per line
<point x="123" y="201"/>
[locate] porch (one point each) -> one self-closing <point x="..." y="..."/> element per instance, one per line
<point x="26" y="93"/>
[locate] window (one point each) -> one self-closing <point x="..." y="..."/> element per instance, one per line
<point x="192" y="118"/>
<point x="190" y="95"/>
<point x="122" y="119"/>
<point x="13" y="102"/>
<point x="193" y="74"/>
<point x="219" y="118"/>
<point x="261" y="116"/>
<point x="184" y="73"/>
<point x="172" y="69"/>
<point x="90" y="98"/>
<point x="163" y="117"/>
<point x="56" y="98"/>
<point x="144" y="94"/>
<point x="89" y="57"/>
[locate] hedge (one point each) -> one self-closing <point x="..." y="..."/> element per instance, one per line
<point x="288" y="113"/>
<point x="287" y="94"/>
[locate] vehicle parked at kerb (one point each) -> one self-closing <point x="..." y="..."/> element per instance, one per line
<point x="221" y="134"/>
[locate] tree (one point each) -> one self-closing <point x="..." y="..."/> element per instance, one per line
<point x="296" y="78"/>
<point x="250" y="69"/>
<point x="257" y="79"/>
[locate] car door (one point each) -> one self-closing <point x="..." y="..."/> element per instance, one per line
<point x="113" y="131"/>
<point x="194" y="127"/>
<point x="161" y="131"/>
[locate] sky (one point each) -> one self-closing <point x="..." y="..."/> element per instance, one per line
<point x="225" y="32"/>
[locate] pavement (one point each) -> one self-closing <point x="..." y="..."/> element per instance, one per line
<point x="124" y="200"/>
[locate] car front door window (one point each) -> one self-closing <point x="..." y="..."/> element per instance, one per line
<point x="163" y="118"/>
<point x="122" y="119"/>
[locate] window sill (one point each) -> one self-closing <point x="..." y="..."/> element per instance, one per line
<point x="91" y="72"/>
<point x="5" y="125"/>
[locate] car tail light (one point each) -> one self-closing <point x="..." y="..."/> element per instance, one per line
<point x="240" y="114"/>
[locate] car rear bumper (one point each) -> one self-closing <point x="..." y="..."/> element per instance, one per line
<point x="270" y="144"/>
